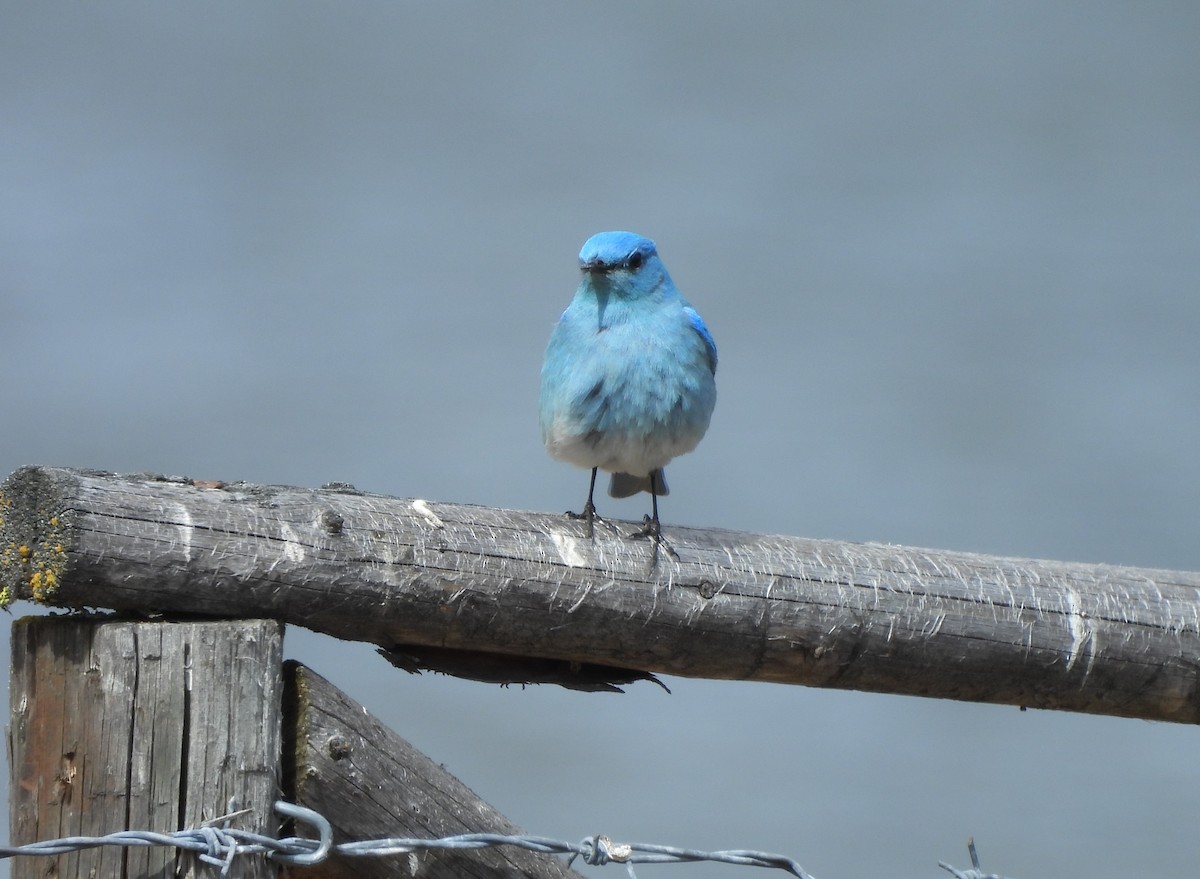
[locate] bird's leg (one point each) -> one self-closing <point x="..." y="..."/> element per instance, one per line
<point x="651" y="527"/>
<point x="589" y="509"/>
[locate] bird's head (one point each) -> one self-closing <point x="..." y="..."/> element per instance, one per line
<point x="623" y="262"/>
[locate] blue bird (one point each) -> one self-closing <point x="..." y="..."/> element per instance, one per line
<point x="628" y="379"/>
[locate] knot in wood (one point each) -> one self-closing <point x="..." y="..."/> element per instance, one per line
<point x="338" y="747"/>
<point x="332" y="521"/>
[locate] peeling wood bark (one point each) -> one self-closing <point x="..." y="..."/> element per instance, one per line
<point x="392" y="571"/>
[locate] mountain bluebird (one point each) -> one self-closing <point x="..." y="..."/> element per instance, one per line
<point x="627" y="383"/>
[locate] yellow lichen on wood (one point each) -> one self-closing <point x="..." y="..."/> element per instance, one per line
<point x="43" y="583"/>
<point x="35" y="556"/>
<point x="48" y="562"/>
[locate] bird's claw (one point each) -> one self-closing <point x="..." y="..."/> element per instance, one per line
<point x="590" y="516"/>
<point x="586" y="516"/>
<point x="653" y="530"/>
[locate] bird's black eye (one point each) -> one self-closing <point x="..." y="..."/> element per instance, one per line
<point x="635" y="260"/>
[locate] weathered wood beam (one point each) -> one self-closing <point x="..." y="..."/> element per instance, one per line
<point x="372" y="784"/>
<point x="391" y="571"/>
<point x="142" y="726"/>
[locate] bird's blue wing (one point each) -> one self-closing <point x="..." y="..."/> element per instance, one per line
<point x="702" y="331"/>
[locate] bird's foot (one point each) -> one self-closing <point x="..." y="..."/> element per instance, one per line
<point x="653" y="530"/>
<point x="590" y="516"/>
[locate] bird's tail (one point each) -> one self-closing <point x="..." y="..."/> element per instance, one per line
<point x="624" y="485"/>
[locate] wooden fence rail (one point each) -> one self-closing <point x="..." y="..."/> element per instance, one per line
<point x="425" y="580"/>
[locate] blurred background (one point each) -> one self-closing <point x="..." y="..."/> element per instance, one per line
<point x="949" y="253"/>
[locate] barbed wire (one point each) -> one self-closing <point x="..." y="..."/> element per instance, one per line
<point x="975" y="872"/>
<point x="218" y="844"/>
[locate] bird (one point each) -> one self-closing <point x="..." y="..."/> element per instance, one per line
<point x="629" y="378"/>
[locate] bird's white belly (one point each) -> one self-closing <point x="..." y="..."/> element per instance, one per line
<point x="617" y="452"/>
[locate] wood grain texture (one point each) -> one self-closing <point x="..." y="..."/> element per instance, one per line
<point x="391" y="571"/>
<point x="372" y="784"/>
<point x="117" y="725"/>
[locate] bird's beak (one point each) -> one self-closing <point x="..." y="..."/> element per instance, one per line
<point x="594" y="267"/>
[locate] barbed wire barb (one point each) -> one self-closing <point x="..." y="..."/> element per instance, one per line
<point x="976" y="872"/>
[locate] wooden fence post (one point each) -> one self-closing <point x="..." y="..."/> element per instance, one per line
<point x="142" y="726"/>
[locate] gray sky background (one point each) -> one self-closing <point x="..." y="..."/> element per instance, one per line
<point x="949" y="253"/>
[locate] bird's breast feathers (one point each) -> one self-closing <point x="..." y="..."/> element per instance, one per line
<point x="629" y="396"/>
